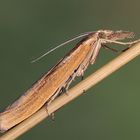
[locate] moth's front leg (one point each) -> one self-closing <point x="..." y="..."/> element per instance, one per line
<point x="104" y="41"/>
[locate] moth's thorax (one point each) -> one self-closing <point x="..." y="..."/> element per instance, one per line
<point x="101" y="34"/>
<point x="93" y="37"/>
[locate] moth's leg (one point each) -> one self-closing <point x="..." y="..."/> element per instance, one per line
<point x="118" y="42"/>
<point x="95" y="52"/>
<point x="125" y="49"/>
<point x="65" y="90"/>
<point x="67" y="86"/>
<point x="82" y="76"/>
<point x="68" y="82"/>
<point x="49" y="114"/>
<point x="121" y="43"/>
<point x="47" y="110"/>
<point x="51" y="99"/>
<point x="109" y="48"/>
<point x="54" y="96"/>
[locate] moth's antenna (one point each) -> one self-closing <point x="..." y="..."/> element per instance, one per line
<point x="66" y="42"/>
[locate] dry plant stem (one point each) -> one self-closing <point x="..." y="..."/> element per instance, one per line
<point x="92" y="80"/>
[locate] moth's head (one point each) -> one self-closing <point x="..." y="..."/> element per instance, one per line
<point x="114" y="35"/>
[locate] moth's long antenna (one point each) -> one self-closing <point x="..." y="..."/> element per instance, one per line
<point x="66" y="42"/>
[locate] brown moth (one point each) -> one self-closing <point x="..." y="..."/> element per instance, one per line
<point x="61" y="75"/>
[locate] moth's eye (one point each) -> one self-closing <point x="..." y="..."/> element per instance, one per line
<point x="102" y="35"/>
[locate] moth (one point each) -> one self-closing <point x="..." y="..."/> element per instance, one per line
<point x="51" y="85"/>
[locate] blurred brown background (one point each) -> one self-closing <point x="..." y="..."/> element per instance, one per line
<point x="28" y="28"/>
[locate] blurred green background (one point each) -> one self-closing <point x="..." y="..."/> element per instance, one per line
<point x="28" y="28"/>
